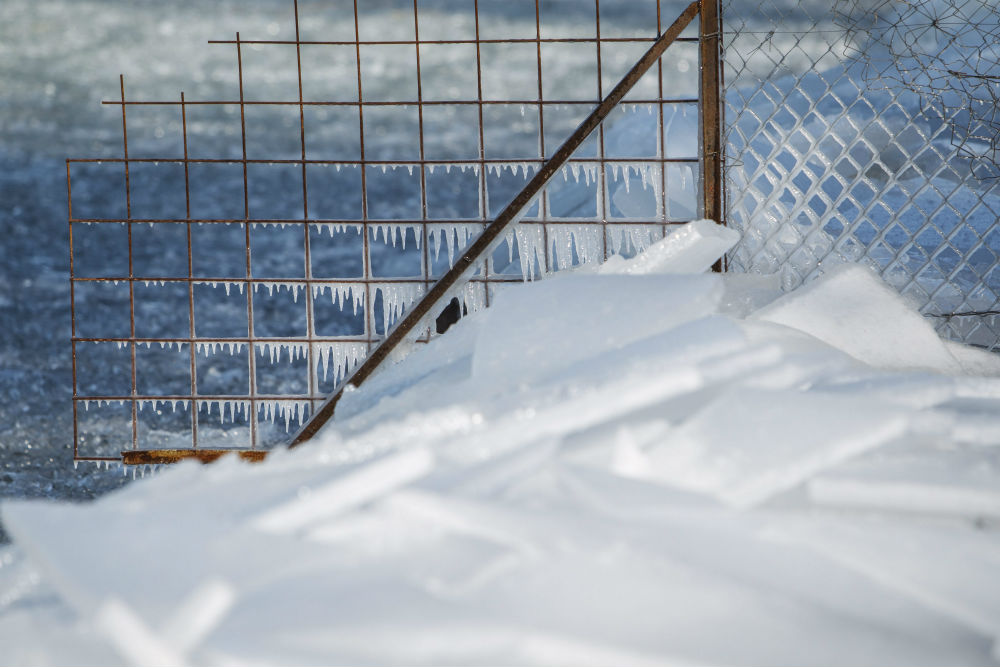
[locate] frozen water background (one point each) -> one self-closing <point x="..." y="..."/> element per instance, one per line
<point x="58" y="60"/>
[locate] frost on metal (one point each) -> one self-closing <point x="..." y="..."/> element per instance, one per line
<point x="849" y="138"/>
<point x="247" y="251"/>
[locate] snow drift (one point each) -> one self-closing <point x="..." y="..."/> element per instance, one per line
<point x="630" y="465"/>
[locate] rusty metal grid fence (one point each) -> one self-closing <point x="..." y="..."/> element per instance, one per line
<point x="244" y="253"/>
<point x="844" y="141"/>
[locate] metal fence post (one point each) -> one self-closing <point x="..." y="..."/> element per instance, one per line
<point x="709" y="110"/>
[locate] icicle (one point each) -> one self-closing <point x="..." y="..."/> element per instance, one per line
<point x="640" y="235"/>
<point x="474" y="297"/>
<point x="284" y="409"/>
<point x="560" y="246"/>
<point x="589" y="241"/>
<point x="341" y="356"/>
<point x="433" y="232"/>
<point x="340" y="293"/>
<point x="456" y="237"/>
<point x="616" y="234"/>
<point x="396" y="297"/>
<point x="530" y="246"/>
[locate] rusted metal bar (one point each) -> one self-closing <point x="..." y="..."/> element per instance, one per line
<point x="710" y="114"/>
<point x="434" y="300"/>
<point x="374" y="103"/>
<point x="410" y="42"/>
<point x="139" y="457"/>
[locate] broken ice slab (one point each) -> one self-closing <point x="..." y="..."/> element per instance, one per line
<point x="961" y="581"/>
<point x="691" y="248"/>
<point x="959" y="480"/>
<point x="851" y="309"/>
<point x="744" y="448"/>
<point x="747" y="292"/>
<point x="974" y="361"/>
<point x="345" y="492"/>
<point x="534" y="332"/>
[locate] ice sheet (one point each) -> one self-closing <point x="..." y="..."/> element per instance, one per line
<point x="745" y="448"/>
<point x="529" y="333"/>
<point x="691" y="248"/>
<point x="853" y="310"/>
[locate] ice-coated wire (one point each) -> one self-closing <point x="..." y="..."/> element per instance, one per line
<point x="266" y="332"/>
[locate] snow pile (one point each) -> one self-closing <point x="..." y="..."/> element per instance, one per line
<point x="623" y="466"/>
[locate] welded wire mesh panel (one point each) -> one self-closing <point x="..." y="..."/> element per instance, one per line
<point x="247" y="250"/>
<point x="845" y="142"/>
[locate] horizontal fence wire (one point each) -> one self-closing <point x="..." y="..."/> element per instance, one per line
<point x="245" y="253"/>
<point x="844" y="143"/>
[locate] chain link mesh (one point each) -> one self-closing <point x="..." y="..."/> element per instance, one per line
<point x="946" y="52"/>
<point x="845" y="142"/>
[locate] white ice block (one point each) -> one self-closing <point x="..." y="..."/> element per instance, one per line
<point x="692" y="248"/>
<point x="346" y="492"/>
<point x="960" y="480"/>
<point x="538" y="329"/>
<point x="851" y="309"/>
<point x="950" y="568"/>
<point x="744" y="448"/>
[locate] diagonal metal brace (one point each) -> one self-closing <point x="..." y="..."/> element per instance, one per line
<point x="465" y="266"/>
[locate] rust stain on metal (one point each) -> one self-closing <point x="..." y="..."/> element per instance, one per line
<point x="710" y="114"/>
<point x="138" y="457"/>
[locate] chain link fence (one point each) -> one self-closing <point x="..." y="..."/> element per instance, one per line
<point x="869" y="134"/>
